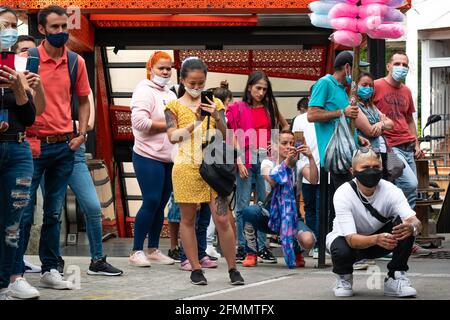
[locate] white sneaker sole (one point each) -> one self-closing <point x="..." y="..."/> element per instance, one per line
<point x="165" y="263"/>
<point x="134" y="264"/>
<point x="267" y="261"/>
<point x="102" y="273"/>
<point x="396" y="295"/>
<point x="343" y="294"/>
<point x="56" y="287"/>
<point x="33" y="271"/>
<point x="25" y="296"/>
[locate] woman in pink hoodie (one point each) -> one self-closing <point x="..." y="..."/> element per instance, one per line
<point x="152" y="158"/>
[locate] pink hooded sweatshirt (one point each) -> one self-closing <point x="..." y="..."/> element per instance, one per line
<point x="147" y="105"/>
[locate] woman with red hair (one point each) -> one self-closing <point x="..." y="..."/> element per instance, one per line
<point x="152" y="158"/>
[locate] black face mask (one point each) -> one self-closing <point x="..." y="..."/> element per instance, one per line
<point x="369" y="177"/>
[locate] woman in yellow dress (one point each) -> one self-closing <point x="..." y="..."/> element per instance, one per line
<point x="187" y="127"/>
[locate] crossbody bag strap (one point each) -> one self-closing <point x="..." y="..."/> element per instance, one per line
<point x="374" y="212"/>
<point x="204" y="145"/>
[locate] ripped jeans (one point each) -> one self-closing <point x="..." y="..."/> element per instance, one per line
<point x="16" y="171"/>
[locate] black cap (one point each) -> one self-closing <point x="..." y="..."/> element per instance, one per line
<point x="345" y="57"/>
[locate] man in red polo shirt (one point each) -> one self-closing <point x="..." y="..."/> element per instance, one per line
<point x="58" y="142"/>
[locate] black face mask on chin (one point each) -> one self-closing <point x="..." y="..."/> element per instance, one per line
<point x="369" y="177"/>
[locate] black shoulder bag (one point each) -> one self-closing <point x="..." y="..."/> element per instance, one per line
<point x="219" y="176"/>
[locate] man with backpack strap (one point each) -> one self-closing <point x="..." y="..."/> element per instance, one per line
<point x="373" y="219"/>
<point x="64" y="76"/>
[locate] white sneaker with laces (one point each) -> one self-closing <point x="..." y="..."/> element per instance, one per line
<point x="5" y="294"/>
<point x="344" y="284"/>
<point x="21" y="289"/>
<point x="31" y="268"/>
<point x="212" y="252"/>
<point x="139" y="259"/>
<point x="54" y="280"/>
<point x="399" y="287"/>
<point x="159" y="258"/>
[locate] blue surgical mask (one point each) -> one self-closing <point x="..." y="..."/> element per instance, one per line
<point x="8" y="37"/>
<point x="58" y="40"/>
<point x="348" y="79"/>
<point x="365" y="93"/>
<point x="399" y="73"/>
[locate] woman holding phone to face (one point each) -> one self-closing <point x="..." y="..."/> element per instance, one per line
<point x="257" y="113"/>
<point x="187" y="127"/>
<point x="17" y="112"/>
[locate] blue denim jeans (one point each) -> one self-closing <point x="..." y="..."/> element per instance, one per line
<point x="311" y="198"/>
<point x="56" y="164"/>
<point x="243" y="193"/>
<point x="201" y="226"/>
<point x="253" y="216"/>
<point x="408" y="181"/>
<point x="16" y="171"/>
<point x="82" y="186"/>
<point x="155" y="180"/>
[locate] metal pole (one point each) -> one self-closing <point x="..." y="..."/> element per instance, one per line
<point x="323" y="216"/>
<point x="377" y="57"/>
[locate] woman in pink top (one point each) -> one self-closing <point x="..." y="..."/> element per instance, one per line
<point x="152" y="158"/>
<point x="252" y="120"/>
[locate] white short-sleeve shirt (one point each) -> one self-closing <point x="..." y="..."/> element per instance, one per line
<point x="353" y="218"/>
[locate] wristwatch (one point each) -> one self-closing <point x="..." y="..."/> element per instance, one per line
<point x="84" y="134"/>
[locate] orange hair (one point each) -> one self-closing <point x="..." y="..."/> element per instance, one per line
<point x="154" y="58"/>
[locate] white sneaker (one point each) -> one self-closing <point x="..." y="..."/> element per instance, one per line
<point x="399" y="287"/>
<point x="361" y="265"/>
<point x="5" y="294"/>
<point x="316" y="253"/>
<point x="212" y="252"/>
<point x="21" y="289"/>
<point x="139" y="259"/>
<point x="31" y="268"/>
<point x="343" y="287"/>
<point x="159" y="258"/>
<point x="54" y="280"/>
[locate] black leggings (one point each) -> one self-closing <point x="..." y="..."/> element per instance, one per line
<point x="344" y="256"/>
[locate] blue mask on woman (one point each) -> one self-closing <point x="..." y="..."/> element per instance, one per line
<point x="8" y="37"/>
<point x="365" y="93"/>
<point x="58" y="40"/>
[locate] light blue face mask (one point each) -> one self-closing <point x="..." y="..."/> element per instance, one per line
<point x="399" y="73"/>
<point x="8" y="37"/>
<point x="348" y="79"/>
<point x="365" y="93"/>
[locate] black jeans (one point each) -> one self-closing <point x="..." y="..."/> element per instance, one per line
<point x="344" y="256"/>
<point x="336" y="181"/>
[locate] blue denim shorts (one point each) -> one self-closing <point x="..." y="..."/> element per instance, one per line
<point x="174" y="211"/>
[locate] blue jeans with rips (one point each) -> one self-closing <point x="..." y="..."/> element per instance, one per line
<point x="16" y="171"/>
<point x="55" y="163"/>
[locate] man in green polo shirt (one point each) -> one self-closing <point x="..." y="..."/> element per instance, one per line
<point x="329" y="99"/>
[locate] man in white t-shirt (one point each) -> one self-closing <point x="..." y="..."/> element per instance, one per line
<point x="311" y="192"/>
<point x="256" y="218"/>
<point x="373" y="219"/>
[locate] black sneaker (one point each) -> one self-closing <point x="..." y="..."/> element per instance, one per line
<point x="275" y="242"/>
<point x="60" y="267"/>
<point x="266" y="256"/>
<point x="198" y="278"/>
<point x="102" y="268"/>
<point x="236" y="278"/>
<point x="240" y="255"/>
<point x="174" y="254"/>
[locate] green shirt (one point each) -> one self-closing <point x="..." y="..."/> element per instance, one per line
<point x="329" y="95"/>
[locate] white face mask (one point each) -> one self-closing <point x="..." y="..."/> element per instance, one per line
<point x="193" y="92"/>
<point x="160" y="81"/>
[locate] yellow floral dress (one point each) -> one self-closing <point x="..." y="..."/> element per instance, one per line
<point x="188" y="185"/>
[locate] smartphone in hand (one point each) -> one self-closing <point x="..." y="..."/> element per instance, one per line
<point x="299" y="139"/>
<point x="8" y="58"/>
<point x="204" y="95"/>
<point x="33" y="65"/>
